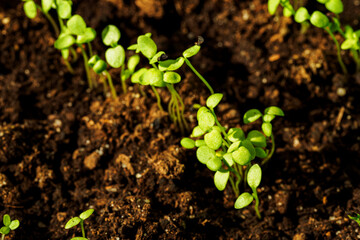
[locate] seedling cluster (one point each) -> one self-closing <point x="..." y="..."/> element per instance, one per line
<point x="80" y="219"/>
<point x="321" y="20"/>
<point x="8" y="225"/>
<point x="231" y="154"/>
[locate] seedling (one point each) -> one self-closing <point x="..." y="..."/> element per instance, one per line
<point x="320" y="20"/>
<point x="356" y="218"/>
<point x="8" y="225"/>
<point x="76" y="220"/>
<point x="230" y="154"/>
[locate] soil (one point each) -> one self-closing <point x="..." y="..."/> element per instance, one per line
<point x="64" y="149"/>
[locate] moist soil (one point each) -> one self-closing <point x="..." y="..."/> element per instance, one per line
<point x="64" y="148"/>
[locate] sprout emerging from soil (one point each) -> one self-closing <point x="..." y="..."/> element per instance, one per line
<point x="8" y="225"/>
<point x="320" y="20"/>
<point x="229" y="153"/>
<point x="356" y="218"/>
<point x="76" y="220"/>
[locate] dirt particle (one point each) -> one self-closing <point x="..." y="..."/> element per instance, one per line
<point x="91" y="160"/>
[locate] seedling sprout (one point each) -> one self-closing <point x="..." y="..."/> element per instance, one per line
<point x="8" y="225"/>
<point x="76" y="220"/>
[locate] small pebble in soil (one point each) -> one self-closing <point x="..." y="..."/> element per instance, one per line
<point x="5" y="20"/>
<point x="341" y="92"/>
<point x="138" y="175"/>
<point x="264" y="80"/>
<point x="27" y="71"/>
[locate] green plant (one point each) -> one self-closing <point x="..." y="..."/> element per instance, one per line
<point x="230" y="154"/>
<point x="320" y="20"/>
<point x="8" y="225"/>
<point x="80" y="219"/>
<point x="356" y="218"/>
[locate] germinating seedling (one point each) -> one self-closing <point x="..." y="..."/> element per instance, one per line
<point x="320" y="20"/>
<point x="230" y="153"/>
<point x="76" y="220"/>
<point x="8" y="225"/>
<point x="356" y="218"/>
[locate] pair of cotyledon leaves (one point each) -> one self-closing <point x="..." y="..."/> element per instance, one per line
<point x="9" y="224"/>
<point x="63" y="7"/>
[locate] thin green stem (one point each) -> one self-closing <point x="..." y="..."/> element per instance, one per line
<point x="141" y="91"/>
<point x="265" y="160"/>
<point x="68" y="66"/>
<point x="112" y="89"/>
<point x="85" y="57"/>
<point x="158" y="99"/>
<point x="123" y="79"/>
<point x="50" y="19"/>
<point x="82" y="227"/>
<point x="2" y="236"/>
<point x="355" y="55"/>
<point x="75" y="55"/>
<point x="90" y="49"/>
<point x="104" y="84"/>
<point x="178" y="111"/>
<point x="257" y="202"/>
<point x="338" y="50"/>
<point x="235" y="189"/>
<point x="199" y="75"/>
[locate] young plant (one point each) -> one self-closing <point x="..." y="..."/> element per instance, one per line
<point x="318" y="19"/>
<point x="76" y="220"/>
<point x="356" y="218"/>
<point x="8" y="225"/>
<point x="230" y="154"/>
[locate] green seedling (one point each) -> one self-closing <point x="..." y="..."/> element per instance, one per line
<point x="76" y="32"/>
<point x="80" y="219"/>
<point x="8" y="225"/>
<point x="161" y="74"/>
<point x="320" y="20"/>
<point x="356" y="218"/>
<point x="99" y="66"/>
<point x="230" y="153"/>
<point x="115" y="54"/>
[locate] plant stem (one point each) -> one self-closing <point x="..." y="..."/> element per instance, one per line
<point x="255" y="195"/>
<point x="123" y="79"/>
<point x="85" y="57"/>
<point x="176" y="112"/>
<point x="112" y="89"/>
<point x="356" y="58"/>
<point x="82" y="227"/>
<point x="199" y="75"/>
<point x="158" y="99"/>
<point x="265" y="160"/>
<point x="75" y="55"/>
<point x="104" y="84"/>
<point x="338" y="50"/>
<point x="90" y="49"/>
<point x="2" y="236"/>
<point x="68" y="66"/>
<point x="235" y="189"/>
<point x="50" y="19"/>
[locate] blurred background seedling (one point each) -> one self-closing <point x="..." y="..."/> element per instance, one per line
<point x="8" y="225"/>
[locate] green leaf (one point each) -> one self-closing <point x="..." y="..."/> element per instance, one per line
<point x="348" y="44"/>
<point x="243" y="200"/>
<point x="234" y="146"/>
<point x="87" y="36"/>
<point x="191" y="51"/>
<point x="272" y="6"/>
<point x="72" y="222"/>
<point x="266" y="128"/>
<point x="323" y="1"/>
<point x="187" y="143"/>
<point x="268" y="117"/>
<point x="260" y="153"/>
<point x="348" y="32"/>
<point x="252" y="115"/>
<point x="213" y="139"/>
<point x="221" y="178"/>
<point x="171" y="64"/>
<point x="155" y="58"/>
<point x="46" y="5"/>
<point x="14" y="224"/>
<point x="318" y="19"/>
<point x="172" y="77"/>
<point x="133" y="62"/>
<point x="241" y="156"/>
<point x="236" y="134"/>
<point x="146" y="46"/>
<point x="214" y="164"/>
<point x="205" y="154"/>
<point x="133" y="47"/>
<point x="64" y="9"/>
<point x="206" y="120"/>
<point x="229" y="159"/>
<point x="79" y="238"/>
<point x="30" y="9"/>
<point x="115" y="56"/>
<point x="335" y="6"/>
<point x="76" y="25"/>
<point x="356" y="218"/>
<point x="197" y="132"/>
<point x="135" y="78"/>
<point x="93" y="60"/>
<point x="246" y="143"/>
<point x="64" y="41"/>
<point x="110" y="35"/>
<point x="301" y="15"/>
<point x="100" y="66"/>
<point x="84" y="215"/>
<point x="214" y="100"/>
<point x="257" y="138"/>
<point x="5" y="230"/>
<point x="254" y="176"/>
<point x="199" y="143"/>
<point x="288" y="10"/>
<point x="274" y="111"/>
<point x="154" y="77"/>
<point x="6" y="220"/>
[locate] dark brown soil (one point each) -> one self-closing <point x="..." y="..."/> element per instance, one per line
<point x="64" y="149"/>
